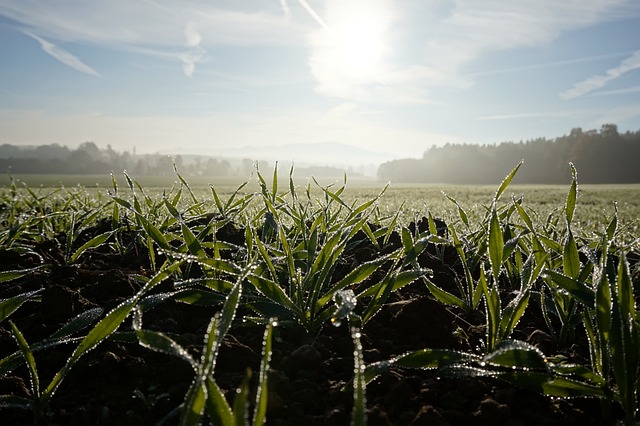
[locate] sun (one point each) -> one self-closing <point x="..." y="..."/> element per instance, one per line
<point x="355" y="38"/>
<point x="358" y="42"/>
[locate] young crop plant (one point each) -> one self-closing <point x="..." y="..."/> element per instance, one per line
<point x="300" y="246"/>
<point x="600" y="293"/>
<point x="204" y="394"/>
<point x="41" y="396"/>
<point x="574" y="281"/>
<point x="494" y="259"/>
<point x="60" y="216"/>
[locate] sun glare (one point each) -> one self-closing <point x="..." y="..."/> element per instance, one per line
<point x="355" y="39"/>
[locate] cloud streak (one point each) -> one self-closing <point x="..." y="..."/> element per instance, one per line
<point x="174" y="30"/>
<point x="64" y="56"/>
<point x="476" y="27"/>
<point x="525" y="115"/>
<point x="117" y="23"/>
<point x="554" y="64"/>
<point x="285" y="8"/>
<point x="625" y="91"/>
<point x="597" y="81"/>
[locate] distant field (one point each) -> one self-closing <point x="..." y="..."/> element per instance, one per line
<point x="595" y="202"/>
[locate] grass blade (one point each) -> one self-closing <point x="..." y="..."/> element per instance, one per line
<point x="624" y="344"/>
<point x="496" y="244"/>
<point x="560" y="387"/>
<point x="359" y="274"/>
<point x="505" y="183"/>
<point x="512" y="314"/>
<point x="272" y="290"/>
<point x="570" y="258"/>
<point x="493" y="315"/>
<point x="160" y="342"/>
<point x="9" y="306"/>
<point x="461" y="213"/>
<point x="15" y="274"/>
<point x="570" y="205"/>
<point x="95" y="242"/>
<point x="194" y="404"/>
<point x="444" y="296"/>
<point x="260" y="412"/>
<point x="241" y="401"/>
<point x="30" y="360"/>
<point x="358" y="415"/>
<point x="575" y="288"/>
<point x="516" y="354"/>
<point x="104" y="328"/>
<point x="80" y="322"/>
<point x="423" y="359"/>
<point x="193" y="245"/>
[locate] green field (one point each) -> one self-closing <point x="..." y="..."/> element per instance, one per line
<point x="177" y="301"/>
<point x="596" y="202"/>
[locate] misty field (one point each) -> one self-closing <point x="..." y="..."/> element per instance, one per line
<point x="411" y="200"/>
<point x="276" y="300"/>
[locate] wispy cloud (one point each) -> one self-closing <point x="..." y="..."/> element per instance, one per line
<point x="148" y="23"/>
<point x="285" y="8"/>
<point x="64" y="56"/>
<point x="189" y="61"/>
<point x="196" y="53"/>
<point x="597" y="81"/>
<point x="193" y="36"/>
<point x="476" y="27"/>
<point x="625" y="91"/>
<point x="173" y="29"/>
<point x="525" y="115"/>
<point x="554" y="64"/>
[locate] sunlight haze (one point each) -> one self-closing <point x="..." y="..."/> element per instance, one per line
<point x="390" y="77"/>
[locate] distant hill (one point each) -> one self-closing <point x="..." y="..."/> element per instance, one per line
<point x="332" y="154"/>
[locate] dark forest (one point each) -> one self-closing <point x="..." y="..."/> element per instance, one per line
<point x="600" y="156"/>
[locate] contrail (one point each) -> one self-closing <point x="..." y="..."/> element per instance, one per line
<point x="63" y="56"/>
<point x="551" y="64"/>
<point x="314" y="15"/>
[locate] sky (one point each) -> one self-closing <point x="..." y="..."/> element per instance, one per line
<point x="391" y="77"/>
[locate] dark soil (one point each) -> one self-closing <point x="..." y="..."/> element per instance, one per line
<point x="126" y="384"/>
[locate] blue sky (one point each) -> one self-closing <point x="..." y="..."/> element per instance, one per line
<point x="389" y="76"/>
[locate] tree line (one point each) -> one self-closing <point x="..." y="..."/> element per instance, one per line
<point x="600" y="156"/>
<point x="88" y="158"/>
